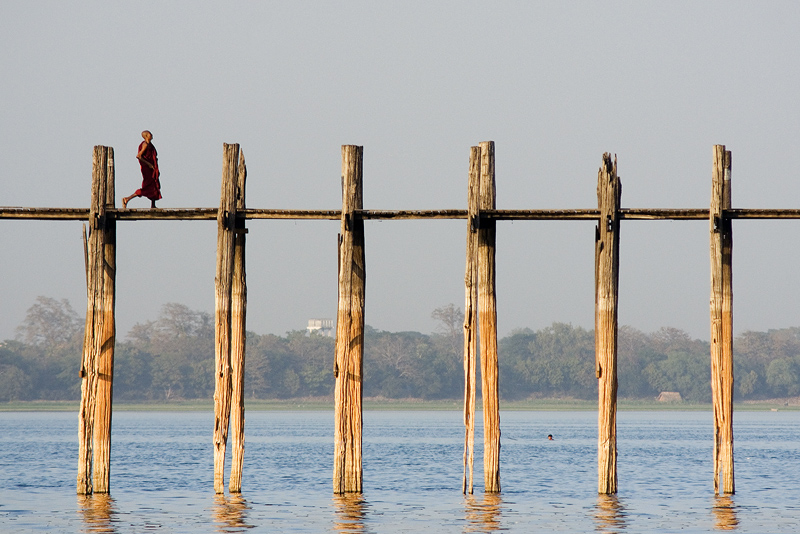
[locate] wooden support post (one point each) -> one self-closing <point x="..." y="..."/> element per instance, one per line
<point x="348" y="362"/>
<point x="88" y="370"/>
<point x="97" y="363"/>
<point x="226" y="224"/>
<point x="471" y="317"/>
<point x="238" y="335"/>
<point x="487" y="317"/>
<point x="722" y="320"/>
<point x="609" y="192"/>
<point x="86" y="409"/>
<point x="105" y="355"/>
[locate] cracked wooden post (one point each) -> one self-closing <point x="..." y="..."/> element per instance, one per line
<point x="609" y="192"/>
<point x="101" y="448"/>
<point x="470" y="317"/>
<point x="97" y="362"/>
<point x="226" y="225"/>
<point x="347" y="367"/>
<point x="238" y="334"/>
<point x="722" y="320"/>
<point x="487" y="316"/>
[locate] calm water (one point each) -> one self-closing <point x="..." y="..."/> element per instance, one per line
<point x="162" y="475"/>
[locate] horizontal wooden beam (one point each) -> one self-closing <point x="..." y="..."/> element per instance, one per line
<point x="324" y="215"/>
<point x="411" y="214"/>
<point x="166" y="214"/>
<point x="210" y="214"/>
<point x="739" y="213"/>
<point x="648" y="214"/>
<point x="56" y="214"/>
<point x="703" y="214"/>
<point x="540" y="215"/>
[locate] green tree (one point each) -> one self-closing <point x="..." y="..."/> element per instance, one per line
<point x="49" y="324"/>
<point x="557" y="360"/>
<point x="51" y="337"/>
<point x="635" y="351"/>
<point x="755" y="354"/>
<point x="173" y="357"/>
<point x="133" y="374"/>
<point x="181" y="342"/>
<point x="314" y="354"/>
<point x="684" y="372"/>
<point x="518" y="379"/>
<point x="271" y="369"/>
<point x="15" y="374"/>
<point x="783" y="376"/>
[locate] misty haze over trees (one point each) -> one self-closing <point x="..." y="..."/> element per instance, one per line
<point x="172" y="358"/>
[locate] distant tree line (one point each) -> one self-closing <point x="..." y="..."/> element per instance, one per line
<point x="172" y="358"/>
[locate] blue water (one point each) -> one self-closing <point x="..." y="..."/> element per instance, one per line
<point x="162" y="474"/>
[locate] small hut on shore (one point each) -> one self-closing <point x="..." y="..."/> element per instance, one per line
<point x="669" y="396"/>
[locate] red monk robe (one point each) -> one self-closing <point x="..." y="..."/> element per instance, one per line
<point x="151" y="186"/>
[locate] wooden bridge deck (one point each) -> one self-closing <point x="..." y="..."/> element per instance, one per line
<point x="209" y="214"/>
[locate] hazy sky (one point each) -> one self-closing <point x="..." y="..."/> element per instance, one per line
<point x="554" y="84"/>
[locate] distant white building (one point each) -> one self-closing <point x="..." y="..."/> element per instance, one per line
<point x="323" y="327"/>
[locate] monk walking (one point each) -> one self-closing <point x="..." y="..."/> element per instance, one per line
<point x="148" y="161"/>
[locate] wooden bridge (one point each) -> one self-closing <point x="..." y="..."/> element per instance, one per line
<point x="480" y="318"/>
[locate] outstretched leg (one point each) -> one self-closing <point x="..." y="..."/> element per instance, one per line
<point x="127" y="199"/>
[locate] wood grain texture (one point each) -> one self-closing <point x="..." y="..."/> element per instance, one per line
<point x="348" y="393"/>
<point x="721" y="304"/>
<point x="487" y="317"/>
<point x="238" y="334"/>
<point x="226" y="220"/>
<point x="471" y="318"/>
<point x="101" y="447"/>
<point x="97" y="361"/>
<point x="609" y="192"/>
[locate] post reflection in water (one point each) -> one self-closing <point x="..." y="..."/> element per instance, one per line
<point x="230" y="513"/>
<point x="609" y="514"/>
<point x="483" y="513"/>
<point x="724" y="513"/>
<point x="98" y="513"/>
<point x="350" y="513"/>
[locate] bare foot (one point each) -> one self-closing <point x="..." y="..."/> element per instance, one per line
<point x="124" y="203"/>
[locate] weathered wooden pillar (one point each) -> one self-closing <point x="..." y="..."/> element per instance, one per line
<point x="226" y="225"/>
<point x="238" y="334"/>
<point x="87" y="374"/>
<point x="609" y="192"/>
<point x="722" y="320"/>
<point x="487" y="316"/>
<point x="471" y="316"/>
<point x="97" y="363"/>
<point x="105" y="355"/>
<point x="347" y="471"/>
